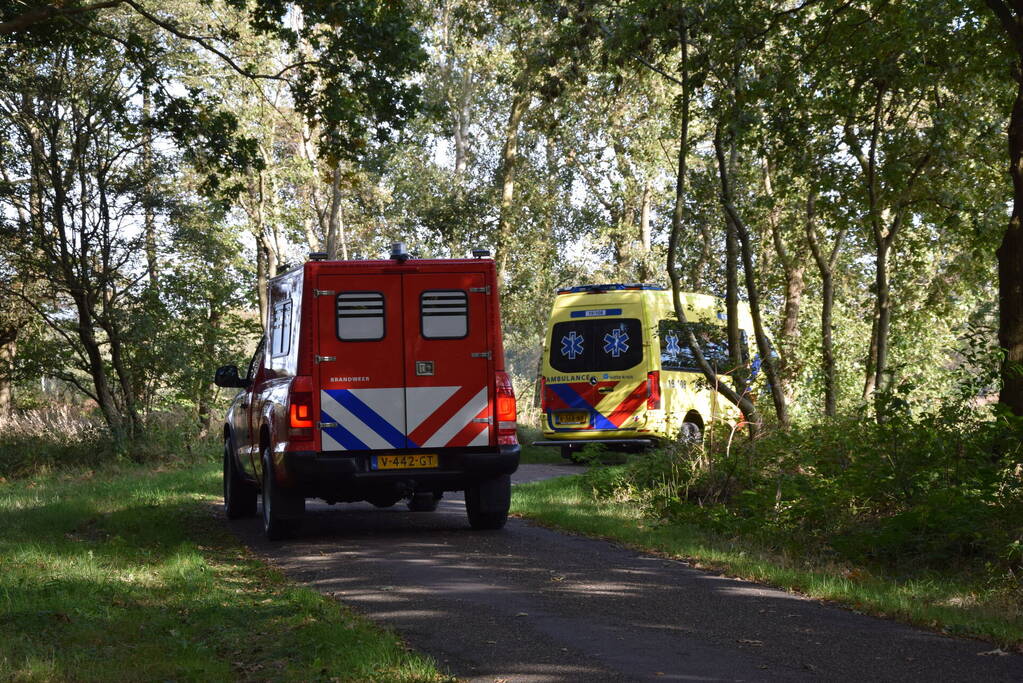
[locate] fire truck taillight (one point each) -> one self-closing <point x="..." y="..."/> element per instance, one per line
<point x="505" y="410"/>
<point x="653" y="390"/>
<point x="300" y="410"/>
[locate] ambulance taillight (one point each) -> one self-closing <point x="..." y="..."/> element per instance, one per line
<point x="653" y="390"/>
<point x="505" y="409"/>
<point x="543" y="394"/>
<point x="300" y="409"/>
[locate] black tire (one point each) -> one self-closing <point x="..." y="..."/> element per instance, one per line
<point x="282" y="512"/>
<point x="239" y="494"/>
<point x="425" y="501"/>
<point x="487" y="502"/>
<point x="690" y="432"/>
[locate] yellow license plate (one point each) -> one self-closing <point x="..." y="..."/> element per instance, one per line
<point x="579" y="418"/>
<point x="406" y="461"/>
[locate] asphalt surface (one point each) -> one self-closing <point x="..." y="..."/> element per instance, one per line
<point x="531" y="604"/>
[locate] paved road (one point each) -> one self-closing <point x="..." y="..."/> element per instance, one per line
<point x="530" y="604"/>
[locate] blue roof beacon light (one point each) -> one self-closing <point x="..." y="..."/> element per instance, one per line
<point x="617" y="287"/>
<point x="398" y="252"/>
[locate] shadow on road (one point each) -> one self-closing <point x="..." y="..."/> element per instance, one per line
<point x="531" y="604"/>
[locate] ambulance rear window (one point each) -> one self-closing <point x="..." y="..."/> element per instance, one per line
<point x="360" y="316"/>
<point x="602" y="345"/>
<point x="444" y="314"/>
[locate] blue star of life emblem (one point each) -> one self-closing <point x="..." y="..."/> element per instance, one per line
<point x="572" y="345"/>
<point x="672" y="347"/>
<point x="615" y="342"/>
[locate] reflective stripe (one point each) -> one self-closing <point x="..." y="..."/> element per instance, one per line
<point x="459" y="420"/>
<point x="366" y="418"/>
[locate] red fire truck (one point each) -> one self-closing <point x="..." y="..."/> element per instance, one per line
<point x="374" y="381"/>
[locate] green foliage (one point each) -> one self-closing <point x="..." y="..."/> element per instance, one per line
<point x="68" y="439"/>
<point x="938" y="490"/>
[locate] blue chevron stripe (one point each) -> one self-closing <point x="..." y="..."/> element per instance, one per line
<point x="342" y="435"/>
<point x="371" y="419"/>
<point x="577" y="402"/>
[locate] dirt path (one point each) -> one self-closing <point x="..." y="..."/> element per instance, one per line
<point x="530" y="604"/>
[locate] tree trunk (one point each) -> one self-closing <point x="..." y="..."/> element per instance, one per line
<point x="644" y="220"/>
<point x="97" y="369"/>
<point x="205" y="399"/>
<point x="262" y="279"/>
<point x="1010" y="268"/>
<point x="336" y="243"/>
<point x="509" y="160"/>
<point x="8" y="349"/>
<point x="764" y="349"/>
<point x="878" y="351"/>
<point x="149" y="218"/>
<point x="793" y="268"/>
<point x="738" y="362"/>
<point x="743" y="403"/>
<point x="461" y="132"/>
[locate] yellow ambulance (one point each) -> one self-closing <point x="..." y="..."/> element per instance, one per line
<point x="617" y="370"/>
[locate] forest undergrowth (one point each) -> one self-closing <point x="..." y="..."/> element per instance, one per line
<point x="65" y="437"/>
<point x="927" y="498"/>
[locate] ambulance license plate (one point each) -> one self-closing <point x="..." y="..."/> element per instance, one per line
<point x="406" y="461"/>
<point x="577" y="418"/>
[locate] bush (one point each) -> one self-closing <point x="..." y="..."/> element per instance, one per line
<point x="66" y="437"/>
<point x="914" y="492"/>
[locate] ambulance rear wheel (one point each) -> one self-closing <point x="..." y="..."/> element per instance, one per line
<point x="282" y="511"/>
<point x="487" y="502"/>
<point x="690" y="432"/>
<point x="239" y="495"/>
<point x="425" y="501"/>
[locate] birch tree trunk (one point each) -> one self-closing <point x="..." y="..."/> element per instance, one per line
<point x="509" y="161"/>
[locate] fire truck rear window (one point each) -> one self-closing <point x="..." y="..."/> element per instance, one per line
<point x="602" y="345"/>
<point x="444" y="314"/>
<point x="360" y="316"/>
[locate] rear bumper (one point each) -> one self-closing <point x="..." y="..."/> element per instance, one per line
<point x="575" y="444"/>
<point x="348" y="476"/>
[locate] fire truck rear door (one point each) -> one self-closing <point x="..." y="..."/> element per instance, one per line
<point x="448" y="360"/>
<point x="359" y="367"/>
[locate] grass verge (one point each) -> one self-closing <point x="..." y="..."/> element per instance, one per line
<point x="129" y="574"/>
<point x="946" y="604"/>
<point x="540" y="455"/>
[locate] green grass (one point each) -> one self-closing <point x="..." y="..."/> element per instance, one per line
<point x="541" y="455"/>
<point x="130" y="574"/>
<point x="948" y="604"/>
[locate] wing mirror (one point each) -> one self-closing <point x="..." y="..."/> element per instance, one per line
<point x="227" y="376"/>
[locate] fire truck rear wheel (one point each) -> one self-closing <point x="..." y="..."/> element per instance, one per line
<point x="424" y="501"/>
<point x="239" y="495"/>
<point x="282" y="512"/>
<point x="487" y="502"/>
